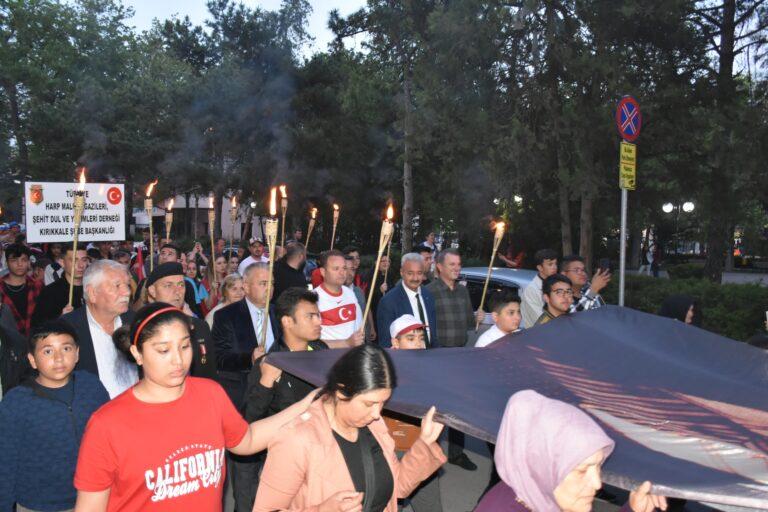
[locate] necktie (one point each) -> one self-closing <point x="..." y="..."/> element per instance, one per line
<point x="422" y="318"/>
<point x="259" y="323"/>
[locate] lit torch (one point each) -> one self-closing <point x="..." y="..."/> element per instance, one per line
<point x="387" y="228"/>
<point x="313" y="214"/>
<point x="284" y="209"/>
<point x="335" y="222"/>
<point x="233" y="219"/>
<point x="79" y="206"/>
<point x="270" y="229"/>
<point x="497" y="236"/>
<point x="168" y="220"/>
<point x="211" y="226"/>
<point x="148" y="207"/>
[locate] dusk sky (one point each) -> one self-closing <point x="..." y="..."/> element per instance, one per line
<point x="147" y="10"/>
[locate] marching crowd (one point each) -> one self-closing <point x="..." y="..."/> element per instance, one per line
<point x="136" y="381"/>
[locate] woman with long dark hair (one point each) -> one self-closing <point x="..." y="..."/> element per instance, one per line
<point x="160" y="445"/>
<point x="339" y="456"/>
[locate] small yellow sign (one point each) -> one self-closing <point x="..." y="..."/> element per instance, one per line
<point x="627" y="165"/>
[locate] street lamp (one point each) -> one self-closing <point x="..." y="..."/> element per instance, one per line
<point x="668" y="207"/>
<point x="688" y="207"/>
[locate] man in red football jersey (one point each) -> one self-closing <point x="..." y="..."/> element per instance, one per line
<point x="340" y="312"/>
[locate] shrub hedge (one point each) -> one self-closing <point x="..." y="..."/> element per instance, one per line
<point x="733" y="310"/>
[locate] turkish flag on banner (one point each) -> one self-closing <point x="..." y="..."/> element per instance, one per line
<point x="339" y="315"/>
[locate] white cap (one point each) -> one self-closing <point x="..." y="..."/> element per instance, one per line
<point x="404" y="324"/>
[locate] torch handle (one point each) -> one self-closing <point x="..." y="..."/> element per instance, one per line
<point x="282" y="229"/>
<point x="271" y="241"/>
<point x="487" y="279"/>
<point x="151" y="245"/>
<point x="74" y="263"/>
<point x="333" y="234"/>
<point x="372" y="285"/>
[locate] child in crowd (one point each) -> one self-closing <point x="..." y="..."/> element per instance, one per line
<point x="505" y="310"/>
<point x="408" y="333"/>
<point x="42" y="422"/>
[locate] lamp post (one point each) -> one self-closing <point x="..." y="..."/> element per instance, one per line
<point x="686" y="207"/>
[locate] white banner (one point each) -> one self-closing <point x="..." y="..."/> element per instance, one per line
<point x="49" y="213"/>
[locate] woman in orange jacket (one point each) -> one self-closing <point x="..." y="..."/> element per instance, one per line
<point x="339" y="456"/>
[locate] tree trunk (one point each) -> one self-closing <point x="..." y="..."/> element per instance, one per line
<point x="720" y="192"/>
<point x="585" y="229"/>
<point x="407" y="231"/>
<point x="636" y="242"/>
<point x="128" y="204"/>
<point x="18" y="131"/>
<point x="196" y="223"/>
<point x="565" y="220"/>
<point x="729" y="263"/>
<point x="187" y="214"/>
<point x="217" y="201"/>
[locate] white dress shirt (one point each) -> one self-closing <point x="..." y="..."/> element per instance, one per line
<point x="532" y="303"/>
<point x="115" y="371"/>
<point x="257" y="317"/>
<point x="415" y="307"/>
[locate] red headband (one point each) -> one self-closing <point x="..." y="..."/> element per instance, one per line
<point x="150" y="317"/>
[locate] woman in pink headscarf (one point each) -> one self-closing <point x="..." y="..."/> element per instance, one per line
<point x="549" y="455"/>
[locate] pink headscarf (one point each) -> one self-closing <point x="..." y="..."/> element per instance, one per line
<point x="540" y="441"/>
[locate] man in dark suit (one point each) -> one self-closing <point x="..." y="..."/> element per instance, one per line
<point x="237" y="332"/>
<point x="408" y="298"/>
<point x="107" y="292"/>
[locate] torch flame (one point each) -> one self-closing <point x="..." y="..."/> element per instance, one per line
<point x="273" y="201"/>
<point x="283" y="192"/>
<point x="81" y="185"/>
<point x="234" y="202"/>
<point x="499" y="230"/>
<point x="390" y="212"/>
<point x="335" y="207"/>
<point x="210" y="202"/>
<point x="150" y="187"/>
<point x="170" y="205"/>
<point x="314" y="212"/>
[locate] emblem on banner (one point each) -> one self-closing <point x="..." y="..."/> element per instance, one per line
<point x="114" y="196"/>
<point x="36" y="194"/>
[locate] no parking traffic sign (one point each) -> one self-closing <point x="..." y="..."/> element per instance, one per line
<point x="628" y="118"/>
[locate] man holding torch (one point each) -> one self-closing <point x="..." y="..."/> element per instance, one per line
<point x="341" y="314"/>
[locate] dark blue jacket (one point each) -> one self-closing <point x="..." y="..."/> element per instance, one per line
<point x="39" y="442"/>
<point x="235" y="339"/>
<point x="396" y="304"/>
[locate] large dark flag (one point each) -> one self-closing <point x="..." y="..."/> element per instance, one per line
<point x="688" y="409"/>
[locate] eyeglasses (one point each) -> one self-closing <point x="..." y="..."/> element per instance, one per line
<point x="577" y="270"/>
<point x="563" y="292"/>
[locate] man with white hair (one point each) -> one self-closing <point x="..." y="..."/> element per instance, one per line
<point x="107" y="293"/>
<point x="408" y="297"/>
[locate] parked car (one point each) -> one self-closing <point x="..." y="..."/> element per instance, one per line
<point x="501" y="279"/>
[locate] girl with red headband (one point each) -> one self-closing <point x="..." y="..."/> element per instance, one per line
<point x="160" y="445"/>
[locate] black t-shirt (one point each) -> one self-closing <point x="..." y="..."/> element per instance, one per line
<point x="65" y="394"/>
<point x="19" y="298"/>
<point x="53" y="299"/>
<point x="287" y="277"/>
<point x="383" y="479"/>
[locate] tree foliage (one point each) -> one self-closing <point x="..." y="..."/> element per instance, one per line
<point x="451" y="110"/>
